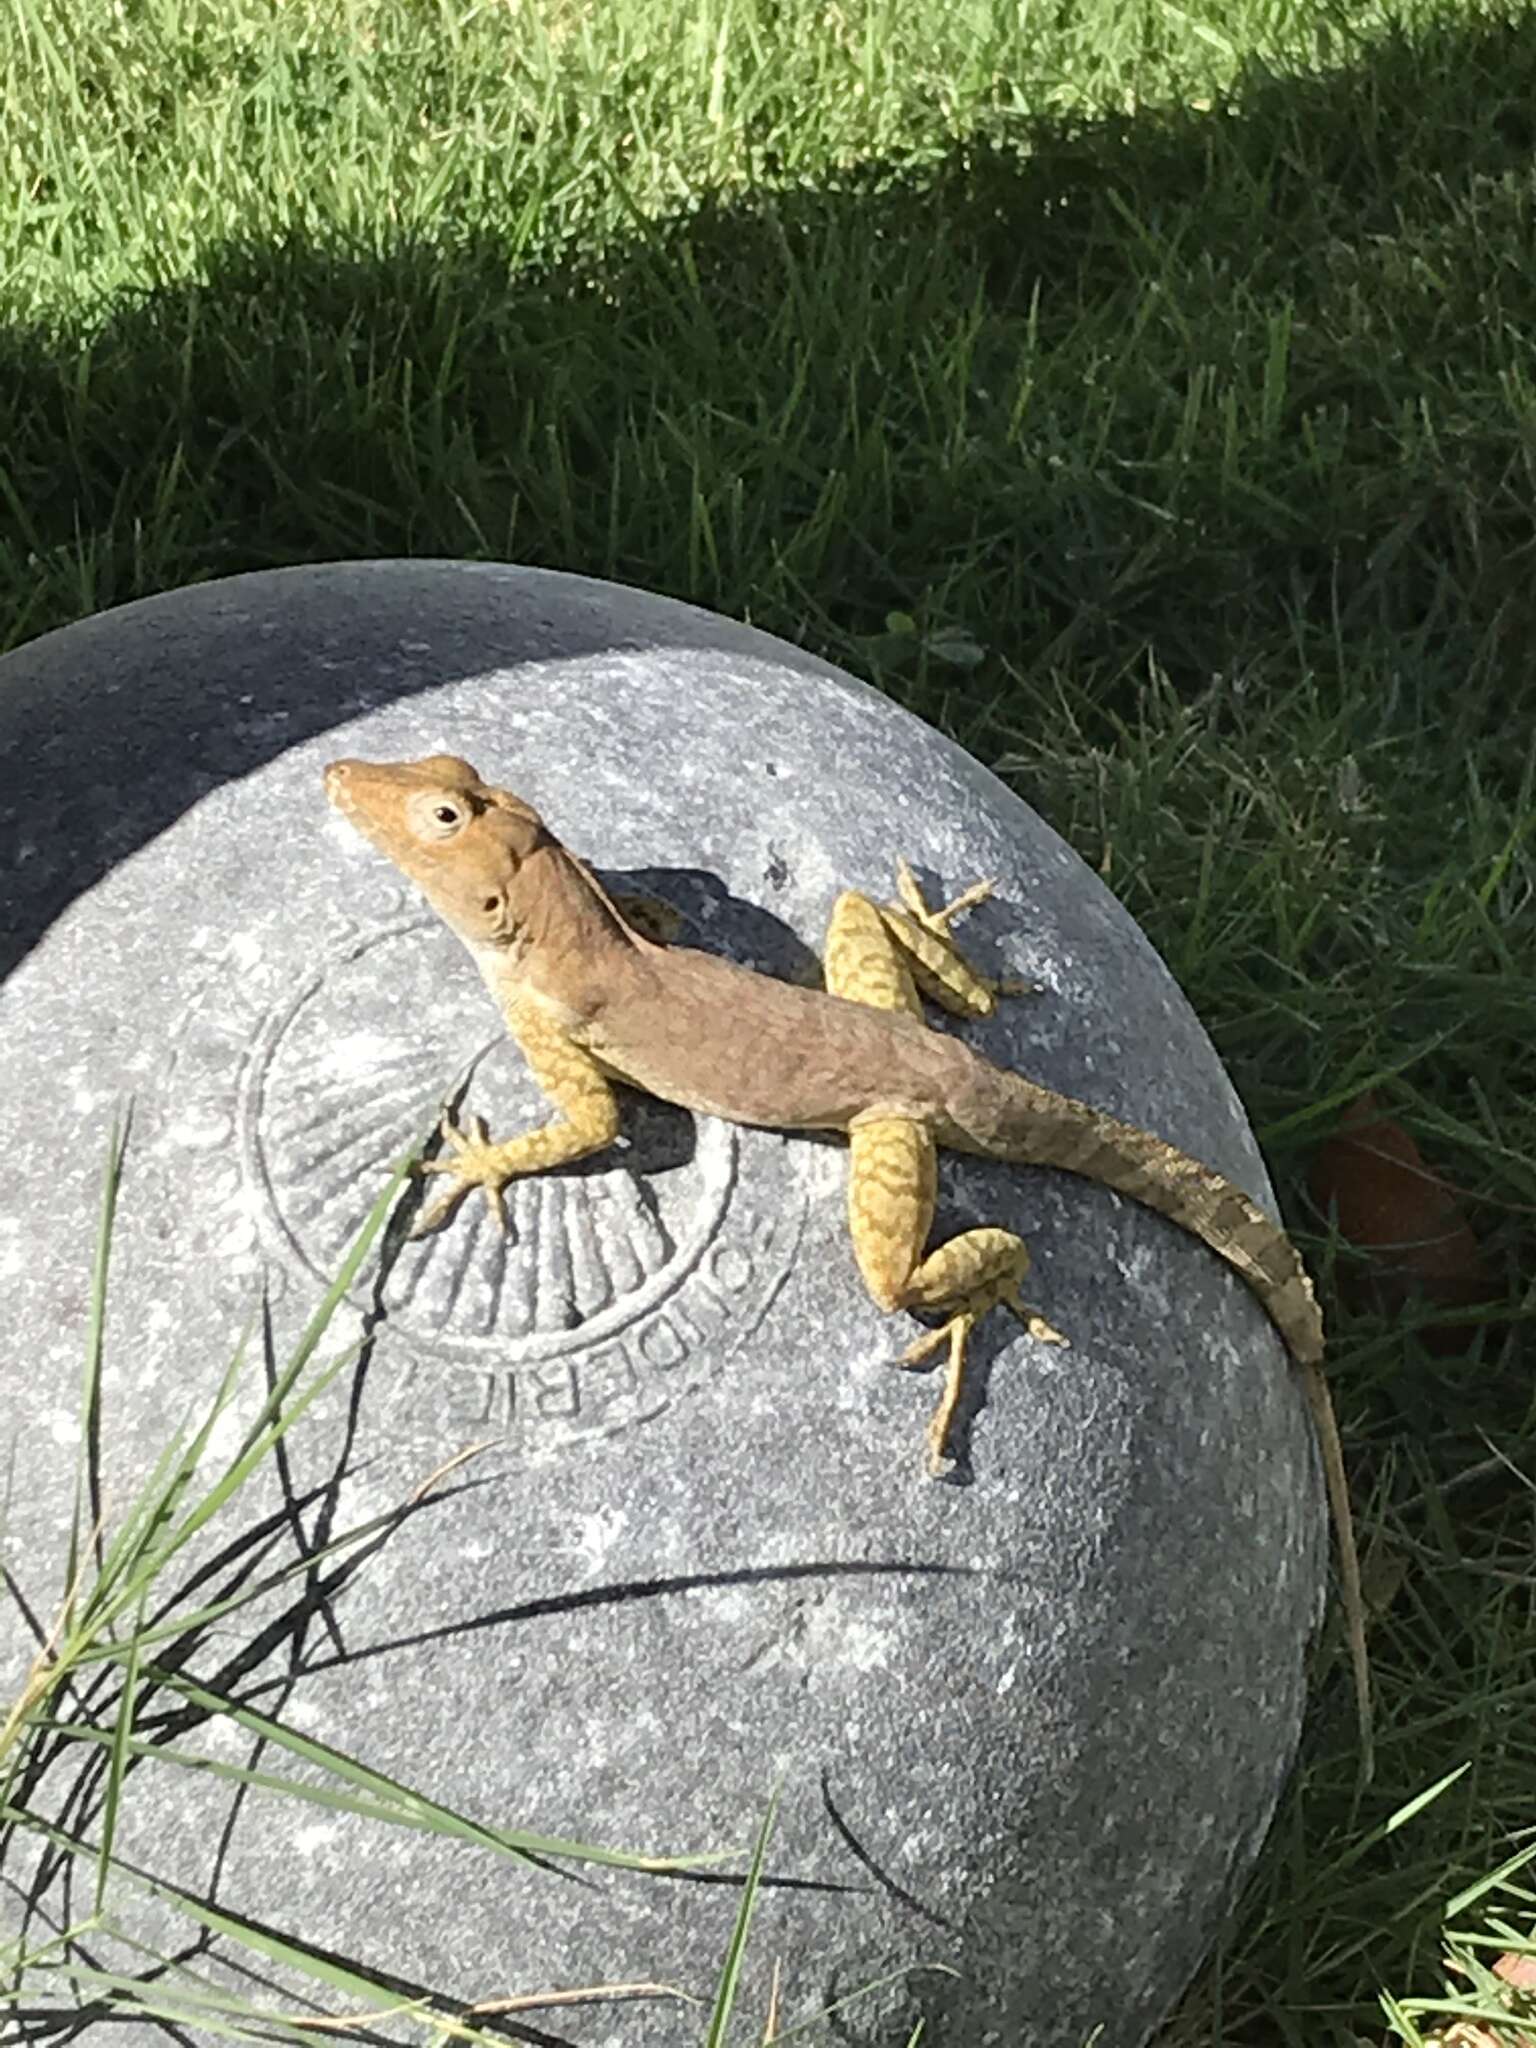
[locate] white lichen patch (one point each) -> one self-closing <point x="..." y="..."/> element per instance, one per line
<point x="821" y="1169"/>
<point x="836" y="1639"/>
<point x="598" y="1533"/>
<point x="346" y="838"/>
<point x="227" y="1434"/>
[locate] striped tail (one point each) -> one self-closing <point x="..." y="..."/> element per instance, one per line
<point x="1037" y="1127"/>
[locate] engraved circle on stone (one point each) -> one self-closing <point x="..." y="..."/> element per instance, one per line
<point x="341" y="1081"/>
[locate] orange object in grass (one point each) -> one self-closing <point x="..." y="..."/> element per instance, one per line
<point x="1397" y="1210"/>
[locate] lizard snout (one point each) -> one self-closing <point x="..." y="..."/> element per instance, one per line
<point x="338" y="776"/>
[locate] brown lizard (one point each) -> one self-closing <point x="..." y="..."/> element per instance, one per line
<point x="590" y="1000"/>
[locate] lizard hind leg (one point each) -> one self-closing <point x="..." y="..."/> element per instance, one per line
<point x="872" y="958"/>
<point x="890" y="955"/>
<point x="891" y="1189"/>
<point x="862" y="960"/>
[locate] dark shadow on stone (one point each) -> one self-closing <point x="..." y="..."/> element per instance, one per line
<point x="54" y="2026"/>
<point x="866" y="1858"/>
<point x="713" y="920"/>
<point x="317" y="1600"/>
<point x="235" y="1566"/>
<point x="626" y="1590"/>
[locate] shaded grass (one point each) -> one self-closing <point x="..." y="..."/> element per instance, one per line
<point x="1144" y="393"/>
<point x="1170" y="378"/>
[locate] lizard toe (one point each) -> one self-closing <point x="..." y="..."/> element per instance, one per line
<point x="495" y="1201"/>
<point x="436" y="1214"/>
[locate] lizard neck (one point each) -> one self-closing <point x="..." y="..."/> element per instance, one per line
<point x="568" y="940"/>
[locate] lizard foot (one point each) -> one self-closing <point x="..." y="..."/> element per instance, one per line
<point x="475" y="1164"/>
<point x="937" y="923"/>
<point x="955" y="1331"/>
<point x="918" y="908"/>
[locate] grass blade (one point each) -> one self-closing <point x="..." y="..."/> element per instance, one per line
<point x="735" y="1955"/>
<point x="406" y="1799"/>
<point x="87" y="1477"/>
<point x="122" y="1744"/>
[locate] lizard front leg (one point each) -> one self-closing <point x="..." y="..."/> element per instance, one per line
<point x="573" y="1081"/>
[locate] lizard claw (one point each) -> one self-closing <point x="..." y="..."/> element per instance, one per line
<point x="1036" y="1326"/>
<point x="475" y="1164"/>
<point x="955" y="1334"/>
<point x="496" y="1202"/>
<point x="436" y="1214"/>
<point x="917" y="907"/>
<point x="982" y="991"/>
<point x="462" y="1143"/>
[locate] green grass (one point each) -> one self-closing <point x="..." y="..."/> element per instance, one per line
<point x="1146" y="393"/>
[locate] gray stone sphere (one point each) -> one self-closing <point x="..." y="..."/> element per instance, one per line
<point x="1027" y="1727"/>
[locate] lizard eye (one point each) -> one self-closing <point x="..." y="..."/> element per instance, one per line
<point x="437" y="816"/>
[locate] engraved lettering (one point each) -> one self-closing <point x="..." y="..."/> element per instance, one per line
<point x="731" y="1265"/>
<point x="661" y="1344"/>
<point x="556" y="1390"/>
<point x="760" y="1231"/>
<point x="607" y="1377"/>
<point x="297" y="1083"/>
<point x="469" y="1397"/>
<point x="702" y="1315"/>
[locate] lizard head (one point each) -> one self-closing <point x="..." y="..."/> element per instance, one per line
<point x="459" y="840"/>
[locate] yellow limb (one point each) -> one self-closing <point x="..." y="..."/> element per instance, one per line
<point x="882" y="955"/>
<point x="891" y="1183"/>
<point x="573" y="1081"/>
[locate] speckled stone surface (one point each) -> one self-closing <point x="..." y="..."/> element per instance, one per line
<point x="1030" y="1727"/>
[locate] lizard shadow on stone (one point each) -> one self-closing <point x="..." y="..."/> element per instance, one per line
<point x="714" y="920"/>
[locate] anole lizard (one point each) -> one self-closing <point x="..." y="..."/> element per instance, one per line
<point x="591" y="1000"/>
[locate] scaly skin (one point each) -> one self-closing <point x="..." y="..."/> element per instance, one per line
<point x="590" y="999"/>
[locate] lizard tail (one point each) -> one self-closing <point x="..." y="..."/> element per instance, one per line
<point x="1037" y="1127"/>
